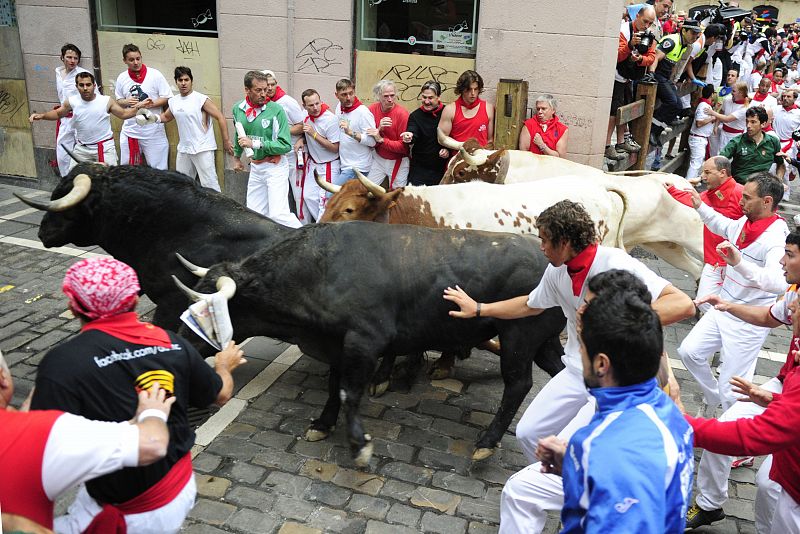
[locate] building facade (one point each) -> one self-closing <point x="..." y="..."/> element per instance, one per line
<point x="311" y="43"/>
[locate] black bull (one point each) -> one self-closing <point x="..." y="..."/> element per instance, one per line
<point x="344" y="293"/>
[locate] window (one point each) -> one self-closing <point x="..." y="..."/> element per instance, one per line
<point x="149" y="16"/>
<point x="428" y="27"/>
<point x="8" y="13"/>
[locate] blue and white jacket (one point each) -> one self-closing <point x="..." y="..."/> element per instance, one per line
<point x="630" y="469"/>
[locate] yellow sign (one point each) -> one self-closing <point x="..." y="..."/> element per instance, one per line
<point x="409" y="72"/>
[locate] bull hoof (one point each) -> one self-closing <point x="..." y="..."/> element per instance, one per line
<point x="364" y="455"/>
<point x="481" y="454"/>
<point x="315" y="434"/>
<point x="440" y="373"/>
<point x="376" y="390"/>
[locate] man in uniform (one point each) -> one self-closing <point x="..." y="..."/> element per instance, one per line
<point x="266" y="133"/>
<point x="90" y="122"/>
<point x="469" y="117"/>
<point x="135" y="84"/>
<point x="99" y="374"/>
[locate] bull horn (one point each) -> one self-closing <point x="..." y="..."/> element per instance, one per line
<point x="225" y="286"/>
<point x="199" y="272"/>
<point x="70" y="153"/>
<point x="373" y="188"/>
<point x="327" y="186"/>
<point x="81" y="186"/>
<point x="471" y="160"/>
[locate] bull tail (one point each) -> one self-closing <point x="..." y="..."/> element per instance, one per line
<point x="619" y="242"/>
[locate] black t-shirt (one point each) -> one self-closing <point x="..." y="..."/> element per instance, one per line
<point x="97" y="375"/>
<point x="427" y="167"/>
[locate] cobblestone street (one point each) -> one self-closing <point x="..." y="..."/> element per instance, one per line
<point x="257" y="475"/>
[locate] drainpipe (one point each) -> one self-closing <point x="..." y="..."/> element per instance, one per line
<point x="290" y="45"/>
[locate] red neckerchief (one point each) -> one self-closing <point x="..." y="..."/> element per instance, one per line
<point x="758" y="97"/>
<point x="460" y="102"/>
<point x="323" y="109"/>
<point x="433" y="111"/>
<point x="774" y="87"/>
<point x="739" y="101"/>
<point x="578" y="267"/>
<point x="127" y="327"/>
<point x="547" y="124"/>
<point x="348" y="109"/>
<point x="752" y="230"/>
<point x="794" y="106"/>
<point x="279" y="93"/>
<point x="251" y="111"/>
<point x="707" y="101"/>
<point x="138" y="77"/>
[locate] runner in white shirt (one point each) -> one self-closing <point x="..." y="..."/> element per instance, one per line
<point x="296" y="115"/>
<point x="149" y="139"/>
<point x="569" y="241"/>
<point x="193" y="112"/>
<point x="734" y="106"/>
<point x="355" y="146"/>
<point x="785" y="121"/>
<point x="65" y="86"/>
<point x="91" y="122"/>
<point x="321" y="140"/>
<point x="702" y="126"/>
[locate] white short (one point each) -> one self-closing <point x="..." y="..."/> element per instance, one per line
<point x="93" y="153"/>
<point x="202" y="164"/>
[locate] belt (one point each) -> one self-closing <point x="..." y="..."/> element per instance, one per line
<point x="268" y="159"/>
<point x="701" y="136"/>
<point x="96" y="142"/>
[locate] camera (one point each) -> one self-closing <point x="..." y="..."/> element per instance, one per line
<point x="647" y="40"/>
<point x="137" y="92"/>
<point x="796" y="135"/>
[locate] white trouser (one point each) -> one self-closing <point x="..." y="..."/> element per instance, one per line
<point x="787" y="515"/>
<point x="202" y="164"/>
<point x="66" y="137"/>
<point x="697" y="155"/>
<point x="314" y="197"/>
<point x="295" y="177"/>
<point x="166" y="519"/>
<point x="268" y="192"/>
<point x="710" y="283"/>
<point x="529" y="494"/>
<point x="383" y="168"/>
<point x="738" y="343"/>
<point x="713" y="144"/>
<point x="552" y="409"/>
<point x="714" y="469"/>
<point x="89" y="153"/>
<point x="155" y="150"/>
<point x="767" y="495"/>
<point x="725" y="138"/>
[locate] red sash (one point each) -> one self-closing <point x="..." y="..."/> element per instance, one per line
<point x="303" y="183"/>
<point x="728" y="129"/>
<point x="752" y="230"/>
<point x="578" y="267"/>
<point x="101" y="153"/>
<point x="111" y="520"/>
<point x="134" y="152"/>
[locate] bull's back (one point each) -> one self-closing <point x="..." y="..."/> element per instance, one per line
<point x="526" y="166"/>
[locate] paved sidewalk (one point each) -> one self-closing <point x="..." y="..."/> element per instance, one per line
<point x="255" y="472"/>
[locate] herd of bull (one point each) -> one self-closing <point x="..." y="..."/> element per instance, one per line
<point x="349" y="294"/>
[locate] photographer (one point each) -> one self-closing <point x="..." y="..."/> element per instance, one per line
<point x="636" y="51"/>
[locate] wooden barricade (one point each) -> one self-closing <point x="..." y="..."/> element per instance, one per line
<point x="510" y="112"/>
<point x="639" y="117"/>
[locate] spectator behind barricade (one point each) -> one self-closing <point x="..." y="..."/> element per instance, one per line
<point x="662" y="9"/>
<point x="647" y="487"/>
<point x="635" y="52"/>
<point x="99" y="373"/>
<point x="545" y="134"/>
<point x="428" y="157"/>
<point x="43" y="454"/>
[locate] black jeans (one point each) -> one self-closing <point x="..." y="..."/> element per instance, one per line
<point x="670" y="107"/>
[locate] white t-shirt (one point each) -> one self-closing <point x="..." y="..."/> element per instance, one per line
<point x="769" y="103"/>
<point x="356" y="154"/>
<point x="156" y="86"/>
<point x="785" y="122"/>
<point x="701" y="113"/>
<point x="780" y="310"/>
<point x="78" y="450"/>
<point x="753" y="82"/>
<point x="91" y="119"/>
<point x="327" y="125"/>
<point x="555" y="289"/>
<point x="194" y="125"/>
<point x="294" y="113"/>
<point x="729" y="107"/>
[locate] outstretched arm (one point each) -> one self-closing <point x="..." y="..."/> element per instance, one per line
<point x="52" y="115"/>
<point x="514" y="308"/>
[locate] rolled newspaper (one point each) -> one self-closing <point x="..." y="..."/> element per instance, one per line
<point x="248" y="152"/>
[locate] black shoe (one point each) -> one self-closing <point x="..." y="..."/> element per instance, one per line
<point x="697" y="517"/>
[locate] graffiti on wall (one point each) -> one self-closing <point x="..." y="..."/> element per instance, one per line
<point x="318" y="55"/>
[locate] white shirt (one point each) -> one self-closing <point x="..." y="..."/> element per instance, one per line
<point x="91" y="119"/>
<point x="156" y="86"/>
<point x="780" y="310"/>
<point x="294" y="113"/>
<point x="65" y="82"/>
<point x="555" y="289"/>
<point x="701" y="113"/>
<point x="356" y="154"/>
<point x="785" y="122"/>
<point x="327" y="125"/>
<point x="754" y="81"/>
<point x="194" y="125"/>
<point x="79" y="449"/>
<point x="729" y="107"/>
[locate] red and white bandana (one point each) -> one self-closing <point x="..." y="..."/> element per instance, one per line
<point x="101" y="287"/>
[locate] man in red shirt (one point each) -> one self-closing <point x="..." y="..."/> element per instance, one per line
<point x="765" y="421"/>
<point x="391" y="153"/>
<point x="723" y="194"/>
<point x="45" y="453"/>
<point x="469" y="117"/>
